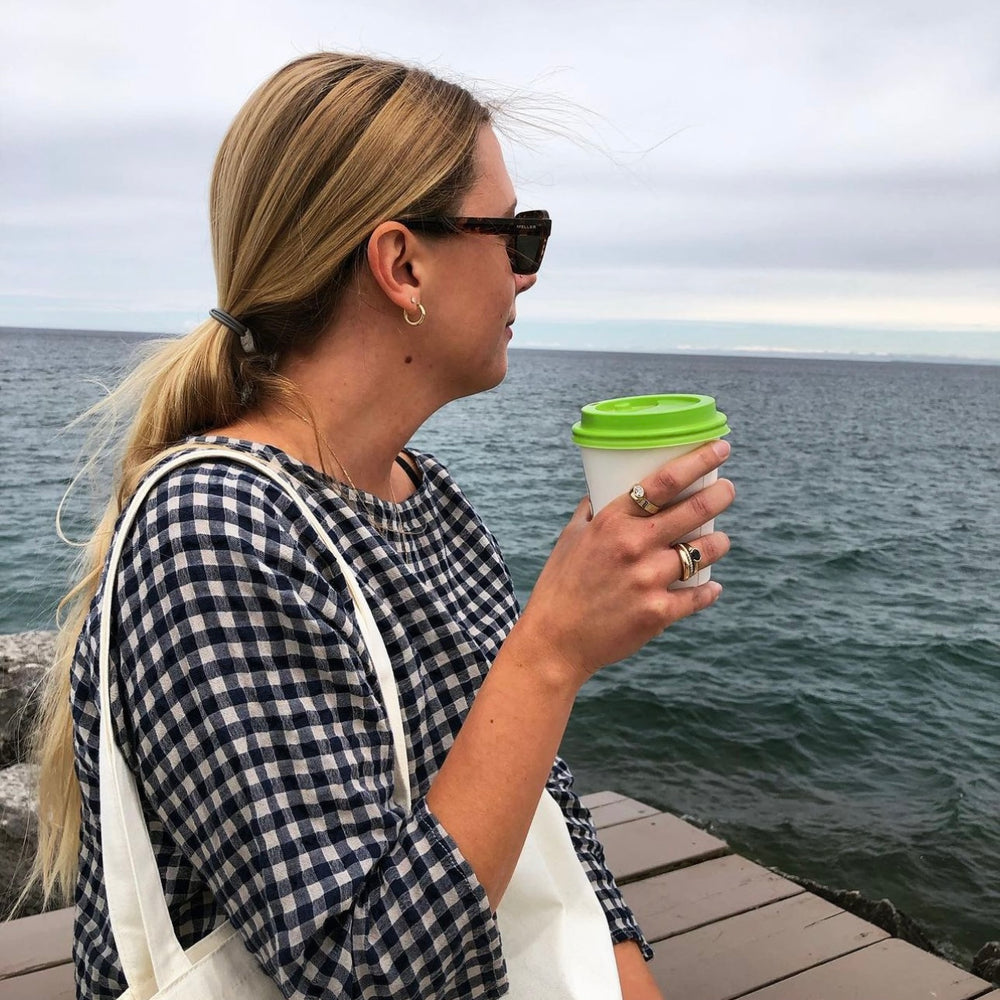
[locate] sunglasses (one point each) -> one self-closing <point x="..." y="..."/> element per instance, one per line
<point x="527" y="234"/>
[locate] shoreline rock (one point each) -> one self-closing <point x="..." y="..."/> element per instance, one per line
<point x="986" y="964"/>
<point x="880" y="912"/>
<point x="18" y="839"/>
<point x="24" y="658"/>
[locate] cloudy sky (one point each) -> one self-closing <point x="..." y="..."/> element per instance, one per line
<point x="792" y="175"/>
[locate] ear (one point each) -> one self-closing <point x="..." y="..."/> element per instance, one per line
<point x="397" y="260"/>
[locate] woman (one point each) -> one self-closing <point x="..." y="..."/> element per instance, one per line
<point x="355" y="299"/>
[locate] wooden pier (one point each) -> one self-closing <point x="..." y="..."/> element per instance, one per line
<point x="725" y="928"/>
<point x="722" y="927"/>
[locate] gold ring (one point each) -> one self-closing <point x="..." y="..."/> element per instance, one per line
<point x="638" y="495"/>
<point x="690" y="559"/>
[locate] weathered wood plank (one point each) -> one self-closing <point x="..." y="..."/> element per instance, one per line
<point x="37" y="942"/>
<point x="596" y="799"/>
<point x="735" y="956"/>
<point x="49" y="984"/>
<point x="889" y="970"/>
<point x="656" y="844"/>
<point x="622" y="811"/>
<point x="723" y="927"/>
<point x="682" y="900"/>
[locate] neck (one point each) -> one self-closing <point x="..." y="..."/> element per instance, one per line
<point x="364" y="401"/>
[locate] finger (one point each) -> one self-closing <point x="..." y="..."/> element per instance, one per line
<point x="664" y="486"/>
<point x="705" y="595"/>
<point x="581" y="516"/>
<point x="691" y="513"/>
<point x="710" y="549"/>
<point x="584" y="511"/>
<point x="690" y="600"/>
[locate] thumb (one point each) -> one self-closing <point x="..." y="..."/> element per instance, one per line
<point x="582" y="516"/>
<point x="584" y="511"/>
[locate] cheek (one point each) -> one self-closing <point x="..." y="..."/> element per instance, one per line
<point x="485" y="284"/>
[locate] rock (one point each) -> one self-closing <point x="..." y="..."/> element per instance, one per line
<point x="24" y="658"/>
<point x="881" y="912"/>
<point x="18" y="838"/>
<point x="31" y="648"/>
<point x="986" y="964"/>
<point x="17" y="801"/>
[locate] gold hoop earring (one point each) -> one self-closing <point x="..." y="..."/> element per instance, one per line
<point x="423" y="314"/>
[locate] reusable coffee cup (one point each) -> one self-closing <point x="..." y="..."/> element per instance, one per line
<point x="624" y="440"/>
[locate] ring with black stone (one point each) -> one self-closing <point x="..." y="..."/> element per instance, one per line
<point x="690" y="559"/>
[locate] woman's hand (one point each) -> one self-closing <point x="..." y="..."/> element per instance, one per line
<point x="603" y="593"/>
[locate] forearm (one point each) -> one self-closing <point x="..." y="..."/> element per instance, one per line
<point x="633" y="973"/>
<point x="487" y="790"/>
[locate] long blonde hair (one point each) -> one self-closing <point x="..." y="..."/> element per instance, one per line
<point x="322" y="152"/>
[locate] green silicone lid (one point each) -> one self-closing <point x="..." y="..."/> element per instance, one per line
<point x="649" y="422"/>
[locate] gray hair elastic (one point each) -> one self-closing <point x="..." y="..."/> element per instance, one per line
<point x="240" y="329"/>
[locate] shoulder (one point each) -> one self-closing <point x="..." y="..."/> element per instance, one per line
<point x="212" y="471"/>
<point x="196" y="500"/>
<point x="215" y="537"/>
<point x="209" y="477"/>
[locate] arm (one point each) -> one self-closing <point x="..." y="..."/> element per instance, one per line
<point x="263" y="748"/>
<point x="632" y="952"/>
<point x="600" y="597"/>
<point x="636" y="980"/>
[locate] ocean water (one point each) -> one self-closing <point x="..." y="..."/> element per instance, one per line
<point x="836" y="714"/>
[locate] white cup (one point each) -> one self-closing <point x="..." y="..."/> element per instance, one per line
<point x="612" y="473"/>
<point x="622" y="441"/>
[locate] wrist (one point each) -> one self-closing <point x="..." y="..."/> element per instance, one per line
<point x="529" y="650"/>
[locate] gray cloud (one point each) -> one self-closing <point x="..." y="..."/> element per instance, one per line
<point x="847" y="221"/>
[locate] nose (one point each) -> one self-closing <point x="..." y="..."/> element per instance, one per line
<point x="522" y="282"/>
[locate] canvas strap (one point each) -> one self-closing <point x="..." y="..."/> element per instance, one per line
<point x="140" y="920"/>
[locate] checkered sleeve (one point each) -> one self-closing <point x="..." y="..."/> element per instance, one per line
<point x="621" y="920"/>
<point x="256" y="727"/>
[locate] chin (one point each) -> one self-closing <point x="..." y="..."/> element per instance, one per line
<point x="491" y="377"/>
<point x="501" y="371"/>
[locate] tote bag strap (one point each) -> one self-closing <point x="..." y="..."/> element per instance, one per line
<point x="140" y="920"/>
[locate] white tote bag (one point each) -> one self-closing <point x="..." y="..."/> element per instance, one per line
<point x="555" y="937"/>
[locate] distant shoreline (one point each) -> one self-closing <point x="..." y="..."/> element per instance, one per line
<point x="765" y="355"/>
<point x="762" y="353"/>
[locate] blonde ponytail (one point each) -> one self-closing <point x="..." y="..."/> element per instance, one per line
<point x="183" y="387"/>
<point x="326" y="149"/>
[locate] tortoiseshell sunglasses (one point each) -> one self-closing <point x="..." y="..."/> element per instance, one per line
<point x="527" y="233"/>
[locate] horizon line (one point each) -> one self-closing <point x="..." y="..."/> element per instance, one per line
<point x="780" y="353"/>
<point x="757" y="351"/>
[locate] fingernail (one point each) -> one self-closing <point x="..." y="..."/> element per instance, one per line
<point x="716" y="589"/>
<point x="722" y="448"/>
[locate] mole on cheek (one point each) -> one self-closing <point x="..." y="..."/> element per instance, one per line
<point x="408" y="359"/>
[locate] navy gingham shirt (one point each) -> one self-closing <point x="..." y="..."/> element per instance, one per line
<point x="244" y="702"/>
